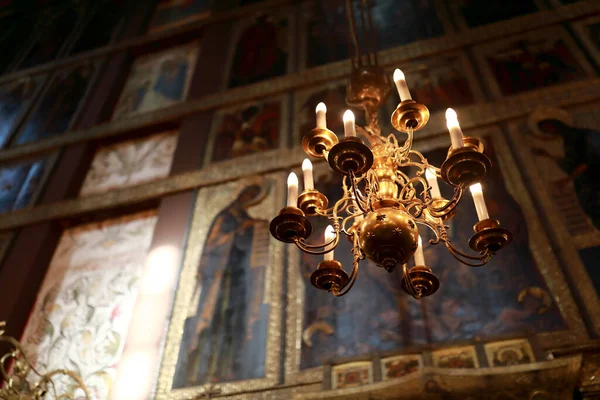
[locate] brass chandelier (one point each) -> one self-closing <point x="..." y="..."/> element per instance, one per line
<point x="383" y="203"/>
<point x="20" y="380"/>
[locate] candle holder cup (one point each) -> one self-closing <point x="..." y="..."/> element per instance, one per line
<point x="311" y="200"/>
<point x="317" y="141"/>
<point x="350" y="155"/>
<point x="420" y="282"/>
<point x="466" y="165"/>
<point x="489" y="236"/>
<point x="410" y="114"/>
<point x="290" y="225"/>
<point x="329" y="276"/>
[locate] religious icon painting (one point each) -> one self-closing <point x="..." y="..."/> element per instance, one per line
<point x="85" y="304"/>
<point x="560" y="160"/>
<point x="455" y="357"/>
<point x="532" y="61"/>
<point x="20" y="184"/>
<point x="474" y="13"/>
<point x="399" y="366"/>
<point x="324" y="34"/>
<point x="244" y="131"/>
<point x="225" y="328"/>
<point x="260" y="48"/>
<point x="60" y="105"/>
<point x="589" y="33"/>
<point x="562" y="146"/>
<point x="170" y="14"/>
<point x="157" y="80"/>
<point x="508" y="353"/>
<point x="351" y="375"/>
<point x="15" y="99"/>
<point x="130" y="163"/>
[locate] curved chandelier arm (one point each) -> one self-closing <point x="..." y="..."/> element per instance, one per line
<point x="309" y="248"/>
<point x="357" y="196"/>
<point x="19" y="356"/>
<point x="448" y="207"/>
<point x="435" y="229"/>
<point x="357" y="258"/>
<point x="463" y="257"/>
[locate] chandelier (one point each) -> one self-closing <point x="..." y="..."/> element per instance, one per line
<point x="17" y="373"/>
<point x="389" y="188"/>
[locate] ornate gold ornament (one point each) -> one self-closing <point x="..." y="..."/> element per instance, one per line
<point x="389" y="188"/>
<point x="23" y="382"/>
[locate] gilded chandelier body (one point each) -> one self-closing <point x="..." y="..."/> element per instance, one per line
<point x="389" y="188"/>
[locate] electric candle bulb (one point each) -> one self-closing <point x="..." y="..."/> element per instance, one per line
<point x="321" y="116"/>
<point x="329" y="236"/>
<point x="307" y="169"/>
<point x="419" y="256"/>
<point x="456" y="136"/>
<point x="292" y="183"/>
<point x="477" y="193"/>
<point x="401" y="85"/>
<point x="349" y="128"/>
<point x="433" y="183"/>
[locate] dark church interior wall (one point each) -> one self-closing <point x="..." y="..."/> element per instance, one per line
<point x="89" y="75"/>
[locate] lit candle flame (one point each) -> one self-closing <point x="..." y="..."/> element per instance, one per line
<point x="348" y="116"/>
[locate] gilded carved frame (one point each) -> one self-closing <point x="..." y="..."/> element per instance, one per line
<point x="540" y="247"/>
<point x="208" y="203"/>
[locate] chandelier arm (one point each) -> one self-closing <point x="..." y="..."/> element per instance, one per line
<point x="357" y="199"/>
<point x="410" y="186"/>
<point x="434" y="229"/>
<point x="487" y="255"/>
<point x="448" y="207"/>
<point x="308" y="248"/>
<point x="484" y="259"/>
<point x="356" y="260"/>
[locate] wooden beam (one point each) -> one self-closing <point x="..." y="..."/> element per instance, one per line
<point x="299" y="80"/>
<point x="568" y="95"/>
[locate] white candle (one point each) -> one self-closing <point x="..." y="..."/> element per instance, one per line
<point x="321" y="116"/>
<point x="349" y="128"/>
<point x="433" y="183"/>
<point x="292" y="183"/>
<point x="477" y="193"/>
<point x="401" y="85"/>
<point x="307" y="170"/>
<point x="329" y="236"/>
<point x="456" y="136"/>
<point x="419" y="256"/>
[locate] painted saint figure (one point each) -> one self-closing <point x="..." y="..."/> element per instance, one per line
<point x="13" y="101"/>
<point x="581" y="160"/>
<point x="56" y="110"/>
<point x="172" y="78"/>
<point x="225" y="332"/>
<point x="260" y="52"/>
